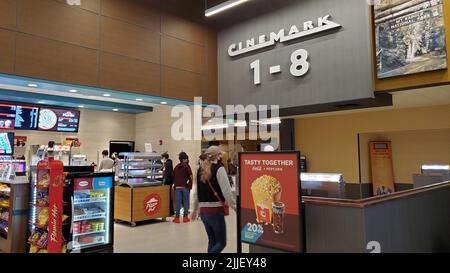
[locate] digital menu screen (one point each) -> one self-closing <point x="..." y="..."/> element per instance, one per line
<point x="18" y="117"/>
<point x="7" y="116"/>
<point x="59" y="120"/>
<point x="6" y="143"/>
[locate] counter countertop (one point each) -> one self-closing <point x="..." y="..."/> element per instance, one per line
<point x="361" y="203"/>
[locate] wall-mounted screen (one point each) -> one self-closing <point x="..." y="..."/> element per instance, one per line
<point x="27" y="117"/>
<point x="59" y="120"/>
<point x="7" y="116"/>
<point x="18" y="117"/>
<point x="6" y="143"/>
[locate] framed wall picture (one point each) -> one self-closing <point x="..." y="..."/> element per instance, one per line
<point x="409" y="37"/>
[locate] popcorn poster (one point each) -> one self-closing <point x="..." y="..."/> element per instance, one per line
<point x="270" y="200"/>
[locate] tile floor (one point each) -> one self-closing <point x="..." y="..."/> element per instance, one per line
<point x="166" y="237"/>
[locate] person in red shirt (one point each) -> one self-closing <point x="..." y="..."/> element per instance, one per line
<point x="182" y="182"/>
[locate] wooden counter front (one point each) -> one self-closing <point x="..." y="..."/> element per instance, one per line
<point x="141" y="204"/>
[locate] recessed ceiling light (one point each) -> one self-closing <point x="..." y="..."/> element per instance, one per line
<point x="116" y="110"/>
<point x="80" y="106"/>
<point x="106" y="95"/>
<point x="73" y="91"/>
<point x="41" y="102"/>
<point x="139" y="99"/>
<point x="164" y="102"/>
<point x="32" y="85"/>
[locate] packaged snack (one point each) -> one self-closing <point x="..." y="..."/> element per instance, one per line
<point x="34" y="237"/>
<point x="34" y="249"/>
<point x="43" y="251"/>
<point x="42" y="242"/>
<point x="43" y="217"/>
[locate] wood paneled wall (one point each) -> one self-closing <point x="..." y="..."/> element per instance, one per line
<point x="128" y="45"/>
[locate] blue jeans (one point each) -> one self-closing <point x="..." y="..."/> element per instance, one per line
<point x="182" y="199"/>
<point x="217" y="231"/>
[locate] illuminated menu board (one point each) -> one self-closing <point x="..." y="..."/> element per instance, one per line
<point x="6" y="143"/>
<point x="58" y="120"/>
<point x="18" y="117"/>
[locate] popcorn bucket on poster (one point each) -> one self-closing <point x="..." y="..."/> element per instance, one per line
<point x="265" y="191"/>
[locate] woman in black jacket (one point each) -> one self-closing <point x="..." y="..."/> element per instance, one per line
<point x="213" y="189"/>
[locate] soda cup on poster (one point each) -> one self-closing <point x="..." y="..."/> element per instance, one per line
<point x="278" y="209"/>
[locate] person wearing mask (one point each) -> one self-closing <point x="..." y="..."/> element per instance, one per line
<point x="213" y="189"/>
<point x="107" y="164"/>
<point x="168" y="177"/>
<point x="182" y="183"/>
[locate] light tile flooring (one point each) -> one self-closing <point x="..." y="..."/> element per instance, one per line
<point x="167" y="237"/>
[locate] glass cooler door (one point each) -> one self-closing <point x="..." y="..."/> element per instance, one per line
<point x="92" y="212"/>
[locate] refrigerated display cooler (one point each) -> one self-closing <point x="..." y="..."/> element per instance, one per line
<point x="86" y="223"/>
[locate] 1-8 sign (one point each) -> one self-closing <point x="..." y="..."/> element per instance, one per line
<point x="299" y="66"/>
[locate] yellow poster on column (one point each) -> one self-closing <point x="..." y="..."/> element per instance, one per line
<point x="382" y="167"/>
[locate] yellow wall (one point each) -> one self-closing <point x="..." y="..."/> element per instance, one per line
<point x="330" y="143"/>
<point x="421" y="79"/>
<point x="410" y="150"/>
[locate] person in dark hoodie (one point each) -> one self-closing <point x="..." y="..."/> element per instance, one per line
<point x="168" y="177"/>
<point x="182" y="182"/>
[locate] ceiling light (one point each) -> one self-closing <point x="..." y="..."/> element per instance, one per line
<point x="214" y="127"/>
<point x="224" y="6"/>
<point x="242" y="123"/>
<point x="139" y="99"/>
<point x="106" y="95"/>
<point x="80" y="106"/>
<point x="271" y="121"/>
<point x="41" y="102"/>
<point x="116" y="110"/>
<point x="164" y="102"/>
<point x="32" y="85"/>
<point x="73" y="91"/>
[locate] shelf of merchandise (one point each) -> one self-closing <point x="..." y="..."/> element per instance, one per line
<point x="81" y="245"/>
<point x="82" y="201"/>
<point x="4" y="206"/>
<point x="91" y="216"/>
<point x="88" y="233"/>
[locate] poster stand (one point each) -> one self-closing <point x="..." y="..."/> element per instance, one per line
<point x="274" y="221"/>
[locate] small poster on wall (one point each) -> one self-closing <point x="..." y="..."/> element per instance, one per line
<point x="410" y="37"/>
<point x="382" y="167"/>
<point x="270" y="200"/>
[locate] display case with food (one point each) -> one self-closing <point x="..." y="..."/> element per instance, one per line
<point x="140" y="170"/>
<point x="141" y="195"/>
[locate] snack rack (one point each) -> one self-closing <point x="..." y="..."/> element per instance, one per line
<point x="46" y="208"/>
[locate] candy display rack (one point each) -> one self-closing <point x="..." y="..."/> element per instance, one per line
<point x="13" y="214"/>
<point x="46" y="208"/>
